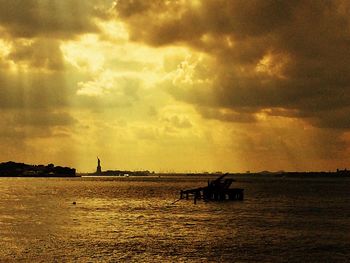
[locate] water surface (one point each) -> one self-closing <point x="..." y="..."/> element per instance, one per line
<point x="132" y="220"/>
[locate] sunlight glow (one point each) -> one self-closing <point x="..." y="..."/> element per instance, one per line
<point x="84" y="54"/>
<point x="114" y="30"/>
<point x="5" y="48"/>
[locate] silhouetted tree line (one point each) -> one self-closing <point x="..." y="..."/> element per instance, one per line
<point x="14" y="169"/>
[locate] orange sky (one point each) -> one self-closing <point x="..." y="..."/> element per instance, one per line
<point x="201" y="85"/>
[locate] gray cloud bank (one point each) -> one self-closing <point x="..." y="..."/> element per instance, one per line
<point x="287" y="58"/>
<point x="54" y="18"/>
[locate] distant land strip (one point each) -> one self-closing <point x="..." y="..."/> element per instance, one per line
<point x="13" y="169"/>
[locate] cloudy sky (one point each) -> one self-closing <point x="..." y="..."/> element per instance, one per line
<point x="176" y="85"/>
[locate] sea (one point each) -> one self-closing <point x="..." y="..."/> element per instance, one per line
<point x="136" y="219"/>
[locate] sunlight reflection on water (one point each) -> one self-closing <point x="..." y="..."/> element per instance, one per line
<point x="132" y="219"/>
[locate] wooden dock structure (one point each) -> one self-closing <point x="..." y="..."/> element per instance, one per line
<point x="217" y="190"/>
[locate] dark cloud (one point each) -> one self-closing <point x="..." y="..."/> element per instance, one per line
<point x="225" y="115"/>
<point x="288" y="57"/>
<point x="54" y="18"/>
<point x="19" y="126"/>
<point x="34" y="91"/>
<point x="39" y="53"/>
<point x="22" y="131"/>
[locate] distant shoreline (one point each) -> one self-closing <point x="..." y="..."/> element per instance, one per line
<point x="39" y="176"/>
<point x="252" y="175"/>
<point x="342" y="173"/>
<point x="13" y="169"/>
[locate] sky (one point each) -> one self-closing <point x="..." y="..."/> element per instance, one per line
<point x="176" y="85"/>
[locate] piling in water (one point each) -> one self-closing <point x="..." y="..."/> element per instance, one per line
<point x="217" y="190"/>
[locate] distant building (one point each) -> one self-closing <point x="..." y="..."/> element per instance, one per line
<point x="98" y="169"/>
